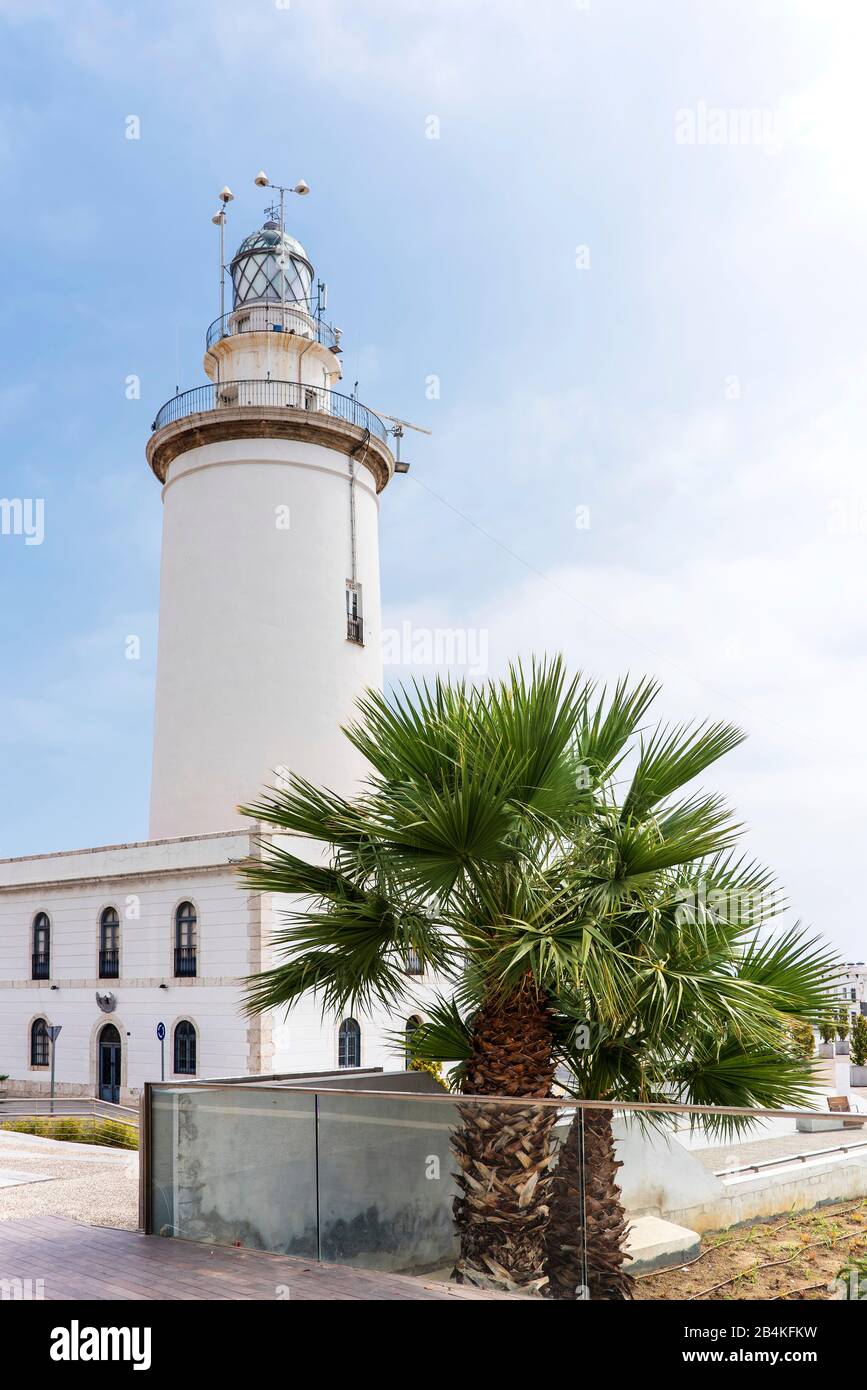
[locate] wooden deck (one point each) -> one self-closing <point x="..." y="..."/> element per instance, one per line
<point x="101" y="1263"/>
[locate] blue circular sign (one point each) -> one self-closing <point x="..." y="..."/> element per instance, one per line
<point x="161" y="1031"/>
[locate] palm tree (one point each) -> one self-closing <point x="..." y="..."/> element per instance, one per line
<point x="704" y="1019"/>
<point x="448" y="856"/>
<point x="488" y="844"/>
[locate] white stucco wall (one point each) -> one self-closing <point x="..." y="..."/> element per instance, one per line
<point x="250" y="356"/>
<point x="254" y="670"/>
<point x="145" y="883"/>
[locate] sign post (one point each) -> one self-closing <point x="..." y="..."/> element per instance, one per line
<point x="161" y="1034"/>
<point x="54" y="1034"/>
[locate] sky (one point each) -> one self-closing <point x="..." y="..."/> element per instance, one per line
<point x="610" y="252"/>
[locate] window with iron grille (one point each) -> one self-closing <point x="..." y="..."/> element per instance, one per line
<point x="349" y="1044"/>
<point x="109" y="944"/>
<point x="185" y="1048"/>
<point x="39" y="1043"/>
<point x="354" y="614"/>
<point x="186" y="922"/>
<point x="41" y="963"/>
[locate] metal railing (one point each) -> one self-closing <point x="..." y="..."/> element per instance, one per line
<point x="185" y="960"/>
<point x="41" y="965"/>
<point x="109" y="963"/>
<point x="349" y="1148"/>
<point x="355" y="630"/>
<point x="274" y="317"/>
<point x="291" y="395"/>
<point x="66" y="1107"/>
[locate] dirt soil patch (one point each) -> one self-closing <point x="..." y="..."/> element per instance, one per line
<point x="786" y="1257"/>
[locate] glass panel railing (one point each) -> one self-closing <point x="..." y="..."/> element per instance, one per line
<point x="554" y="1199"/>
<point x="386" y="1190"/>
<point x="235" y="1166"/>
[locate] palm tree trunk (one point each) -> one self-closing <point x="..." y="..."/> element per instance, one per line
<point x="586" y="1234"/>
<point x="504" y="1153"/>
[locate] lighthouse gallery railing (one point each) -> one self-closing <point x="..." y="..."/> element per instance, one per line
<point x="291" y="395"/>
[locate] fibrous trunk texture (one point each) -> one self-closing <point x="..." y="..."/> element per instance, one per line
<point x="504" y="1152"/>
<point x="587" y="1231"/>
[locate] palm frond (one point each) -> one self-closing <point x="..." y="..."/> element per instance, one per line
<point x="671" y="758"/>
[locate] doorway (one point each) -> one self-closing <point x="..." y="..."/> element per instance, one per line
<point x="109" y="1064"/>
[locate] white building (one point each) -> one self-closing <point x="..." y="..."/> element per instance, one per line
<point x="852" y="987"/>
<point x="269" y="630"/>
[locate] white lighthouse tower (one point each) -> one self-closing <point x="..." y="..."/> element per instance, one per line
<point x="269" y="620"/>
<point x="269" y="631"/>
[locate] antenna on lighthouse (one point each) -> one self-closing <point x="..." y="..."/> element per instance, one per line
<point x="219" y="218"/>
<point x="302" y="188"/>
<point x="397" y="429"/>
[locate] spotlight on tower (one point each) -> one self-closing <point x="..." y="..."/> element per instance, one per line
<point x="226" y="196"/>
<point x="302" y="188"/>
<point x="261" y="179"/>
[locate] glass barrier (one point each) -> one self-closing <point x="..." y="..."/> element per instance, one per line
<point x="386" y="1189"/>
<point x="235" y="1166"/>
<point x="562" y="1199"/>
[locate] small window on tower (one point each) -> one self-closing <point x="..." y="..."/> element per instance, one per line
<point x="354" y="615"/>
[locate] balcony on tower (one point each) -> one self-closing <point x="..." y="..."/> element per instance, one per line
<point x="271" y="356"/>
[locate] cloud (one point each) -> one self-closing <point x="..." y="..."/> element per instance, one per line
<point x="731" y="566"/>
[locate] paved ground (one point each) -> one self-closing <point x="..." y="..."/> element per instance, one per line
<point x="48" y="1177"/>
<point x="63" y="1260"/>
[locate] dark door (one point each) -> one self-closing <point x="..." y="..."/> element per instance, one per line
<point x="109" y="1064"/>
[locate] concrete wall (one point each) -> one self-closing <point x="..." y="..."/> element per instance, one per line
<point x="660" y="1177"/>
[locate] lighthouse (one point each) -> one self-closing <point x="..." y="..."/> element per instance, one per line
<point x="269" y="614"/>
<point x="270" y="479"/>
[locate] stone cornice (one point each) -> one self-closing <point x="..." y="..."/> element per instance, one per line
<point x="129" y="875"/>
<point x="128" y="982"/>
<point x="268" y="422"/>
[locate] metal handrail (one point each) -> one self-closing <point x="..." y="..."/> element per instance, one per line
<point x="274" y="317"/>
<point x="459" y="1098"/>
<point x="787" y="1160"/>
<point x="291" y="395"/>
<point x="66" y="1107"/>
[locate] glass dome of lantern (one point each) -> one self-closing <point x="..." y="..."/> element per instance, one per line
<point x="268" y="267"/>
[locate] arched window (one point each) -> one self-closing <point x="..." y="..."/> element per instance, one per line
<point x="349" y="1044"/>
<point x="41" y="946"/>
<point x="409" y="1028"/>
<point x="185" y="1048"/>
<point x="39" y="1043"/>
<point x="185" y="939"/>
<point x="109" y="945"/>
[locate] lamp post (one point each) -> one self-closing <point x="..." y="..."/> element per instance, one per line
<point x="53" y="1034"/>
